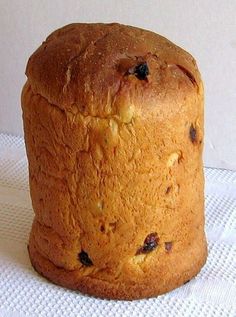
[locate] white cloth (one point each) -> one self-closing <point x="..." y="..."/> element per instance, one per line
<point x="24" y="293"/>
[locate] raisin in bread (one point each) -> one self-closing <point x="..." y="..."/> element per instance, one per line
<point x="113" y="123"/>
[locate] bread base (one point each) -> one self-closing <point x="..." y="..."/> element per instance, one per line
<point x="153" y="286"/>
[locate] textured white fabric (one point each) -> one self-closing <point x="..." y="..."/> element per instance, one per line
<point x="24" y="293"/>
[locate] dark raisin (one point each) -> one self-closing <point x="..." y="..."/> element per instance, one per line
<point x="168" y="246"/>
<point x="150" y="243"/>
<point x="168" y="189"/>
<point x="102" y="228"/>
<point x="84" y="259"/>
<point x="141" y="71"/>
<point x="193" y="134"/>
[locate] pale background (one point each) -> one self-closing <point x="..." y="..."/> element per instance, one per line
<point x="205" y="28"/>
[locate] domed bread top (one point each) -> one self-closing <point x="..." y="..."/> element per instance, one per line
<point x="95" y="68"/>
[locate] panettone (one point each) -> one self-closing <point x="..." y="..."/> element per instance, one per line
<point x="113" y="123"/>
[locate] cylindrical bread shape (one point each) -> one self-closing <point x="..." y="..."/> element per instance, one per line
<point x="113" y="124"/>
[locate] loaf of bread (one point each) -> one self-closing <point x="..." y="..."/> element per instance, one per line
<point x="113" y="123"/>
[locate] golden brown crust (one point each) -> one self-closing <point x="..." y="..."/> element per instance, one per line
<point x="79" y="60"/>
<point x="113" y="159"/>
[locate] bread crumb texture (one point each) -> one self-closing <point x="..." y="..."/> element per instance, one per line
<point x="113" y="123"/>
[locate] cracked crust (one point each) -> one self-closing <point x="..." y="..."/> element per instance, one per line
<point x="111" y="161"/>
